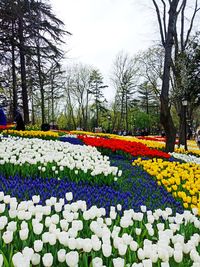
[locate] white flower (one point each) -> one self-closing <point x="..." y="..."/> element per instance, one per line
<point x="140" y="254"/>
<point x="72" y="258"/>
<point x="38" y="228"/>
<point x="122" y="248"/>
<point x="143" y="208"/>
<point x="23" y="233"/>
<point x="119" y="173"/>
<point x="12" y="226"/>
<point x="69" y="196"/>
<point x="118" y="262"/>
<point x="61" y="255"/>
<point x="107" y="250"/>
<point x="138" y="231"/>
<point x="35" y="259"/>
<point x="17" y="259"/>
<point x="53" y="168"/>
<point x="27" y="252"/>
<point x="2" y="207"/>
<point x="133" y="245"/>
<point x="97" y="262"/>
<point x="47" y="260"/>
<point x="7" y="237"/>
<point x="178" y="256"/>
<point x="36" y="199"/>
<point x="55" y="219"/>
<point x="38" y="245"/>
<point x="165" y="264"/>
<point x="147" y="263"/>
<point x="1" y="260"/>
<point x="43" y="169"/>
<point x="119" y="207"/>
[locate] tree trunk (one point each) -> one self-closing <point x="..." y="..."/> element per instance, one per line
<point x="165" y="115"/>
<point x="14" y="80"/>
<point x="41" y="84"/>
<point x="23" y="72"/>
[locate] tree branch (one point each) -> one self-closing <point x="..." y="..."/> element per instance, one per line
<point x="164" y="19"/>
<point x="191" y="23"/>
<point x="182" y="24"/>
<point x="159" y="22"/>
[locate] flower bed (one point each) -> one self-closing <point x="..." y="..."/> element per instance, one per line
<point x="59" y="234"/>
<point x="33" y="157"/>
<point x="94" y="210"/>
<point x="182" y="179"/>
<point x="33" y="134"/>
<point x="132" y="148"/>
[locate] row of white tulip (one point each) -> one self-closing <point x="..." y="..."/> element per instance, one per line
<point x="71" y="233"/>
<point x="19" y="151"/>
<point x="186" y="158"/>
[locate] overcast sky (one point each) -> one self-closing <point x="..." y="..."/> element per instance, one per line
<point x="102" y="28"/>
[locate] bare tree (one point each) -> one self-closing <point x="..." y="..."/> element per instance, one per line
<point x="168" y="26"/>
<point x="123" y="77"/>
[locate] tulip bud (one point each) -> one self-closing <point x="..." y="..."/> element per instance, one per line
<point x="118" y="262"/>
<point x="35" y="259"/>
<point x="69" y="196"/>
<point x="107" y="250"/>
<point x="23" y="234"/>
<point x="61" y="255"/>
<point x="38" y="245"/>
<point x="1" y="260"/>
<point x="7" y="237"/>
<point x="72" y="258"/>
<point x="47" y="260"/>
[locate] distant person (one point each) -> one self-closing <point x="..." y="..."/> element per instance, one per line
<point x="2" y="119"/>
<point x="19" y="121"/>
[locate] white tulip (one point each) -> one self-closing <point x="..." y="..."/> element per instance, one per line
<point x="133" y="245"/>
<point x="38" y="245"/>
<point x="87" y="245"/>
<point x="23" y="234"/>
<point x="47" y="260"/>
<point x="147" y="263"/>
<point x="7" y="237"/>
<point x="2" y="207"/>
<point x="122" y="248"/>
<point x="17" y="259"/>
<point x="61" y="255"/>
<point x="52" y="239"/>
<point x="55" y="219"/>
<point x="1" y="260"/>
<point x="138" y="231"/>
<point x="107" y="250"/>
<point x="69" y="196"/>
<point x="45" y="237"/>
<point x="119" y="207"/>
<point x="118" y="262"/>
<point x="35" y="259"/>
<point x="27" y="252"/>
<point x="140" y="254"/>
<point x="178" y="256"/>
<point x="38" y="228"/>
<point x="165" y="264"/>
<point x="97" y="262"/>
<point x="12" y="226"/>
<point x="58" y="207"/>
<point x="72" y="258"/>
<point x="7" y="199"/>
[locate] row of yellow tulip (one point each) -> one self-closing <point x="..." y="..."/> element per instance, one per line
<point x="32" y="133"/>
<point x="181" y="179"/>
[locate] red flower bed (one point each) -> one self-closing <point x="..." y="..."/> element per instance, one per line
<point x="133" y="148"/>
